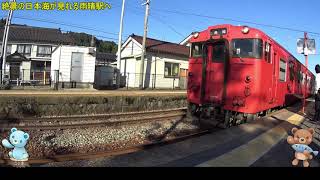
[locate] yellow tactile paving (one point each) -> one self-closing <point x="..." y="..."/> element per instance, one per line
<point x="247" y="154"/>
<point x="295" y="119"/>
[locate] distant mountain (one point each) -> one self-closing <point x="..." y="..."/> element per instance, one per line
<point x="83" y="39"/>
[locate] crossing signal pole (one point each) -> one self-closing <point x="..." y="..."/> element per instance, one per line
<point x="120" y="37"/>
<point x="305" y="51"/>
<point x="4" y="44"/>
<point x="141" y="84"/>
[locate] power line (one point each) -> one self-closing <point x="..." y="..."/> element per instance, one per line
<point x="230" y="19"/>
<point x="65" y="24"/>
<point x="234" y="20"/>
<point x="157" y="19"/>
<point x="109" y="38"/>
<point x="169" y="26"/>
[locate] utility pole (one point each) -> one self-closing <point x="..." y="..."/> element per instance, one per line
<point x="4" y="43"/>
<point x="141" y="84"/>
<point x="120" y="37"/>
<point x="305" y="52"/>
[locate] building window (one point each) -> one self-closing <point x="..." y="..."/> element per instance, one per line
<point x="44" y="51"/>
<point x="282" y="73"/>
<point x="171" y="70"/>
<point x="267" y="53"/>
<point x="9" y="47"/>
<point x="24" y="49"/>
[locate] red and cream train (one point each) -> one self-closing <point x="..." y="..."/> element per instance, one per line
<point x="238" y="72"/>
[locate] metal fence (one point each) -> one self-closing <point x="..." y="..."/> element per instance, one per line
<point x="155" y="81"/>
<point x="54" y="80"/>
<point x="27" y="77"/>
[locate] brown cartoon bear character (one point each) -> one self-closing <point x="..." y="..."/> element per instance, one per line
<point x="301" y="136"/>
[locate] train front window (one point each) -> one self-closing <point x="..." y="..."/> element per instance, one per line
<point x="218" y="52"/>
<point x="247" y="48"/>
<point x="196" y="50"/>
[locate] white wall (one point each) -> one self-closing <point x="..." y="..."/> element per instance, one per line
<point x="131" y="54"/>
<point x="25" y="69"/>
<point x="156" y="66"/>
<point x="159" y="61"/>
<point x="131" y="49"/>
<point x="61" y="60"/>
<point x="130" y="65"/>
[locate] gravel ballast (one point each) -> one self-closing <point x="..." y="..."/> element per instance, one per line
<point x="45" y="144"/>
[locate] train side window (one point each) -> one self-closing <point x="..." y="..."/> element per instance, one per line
<point x="196" y="50"/>
<point x="267" y="52"/>
<point x="291" y="70"/>
<point x="303" y="78"/>
<point x="300" y="77"/>
<point x="282" y="72"/>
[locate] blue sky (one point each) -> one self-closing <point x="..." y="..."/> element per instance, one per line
<point x="174" y="27"/>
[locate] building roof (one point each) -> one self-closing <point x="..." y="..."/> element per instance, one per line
<point x="30" y="34"/>
<point x="154" y="45"/>
<point x="105" y="57"/>
<point x="16" y="57"/>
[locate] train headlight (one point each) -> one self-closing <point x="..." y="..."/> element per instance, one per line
<point x="248" y="79"/>
<point x="245" y="30"/>
<point x="196" y="35"/>
<point x="218" y="32"/>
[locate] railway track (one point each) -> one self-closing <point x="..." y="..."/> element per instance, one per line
<point x="108" y="119"/>
<point x="85" y="121"/>
<point x="86" y="156"/>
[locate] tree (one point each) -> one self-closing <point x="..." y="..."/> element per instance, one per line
<point x="83" y="39"/>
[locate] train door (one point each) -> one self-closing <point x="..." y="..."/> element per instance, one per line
<point x="269" y="68"/>
<point x="282" y="79"/>
<point x="216" y="72"/>
<point x="275" y="62"/>
<point x="292" y="84"/>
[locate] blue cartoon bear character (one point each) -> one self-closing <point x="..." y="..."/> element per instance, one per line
<point x="18" y="140"/>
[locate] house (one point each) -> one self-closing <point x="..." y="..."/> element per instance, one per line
<point x="165" y="66"/>
<point x="36" y="54"/>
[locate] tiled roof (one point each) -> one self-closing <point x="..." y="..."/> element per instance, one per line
<point x="16" y="57"/>
<point x="29" y="34"/>
<point x="154" y="45"/>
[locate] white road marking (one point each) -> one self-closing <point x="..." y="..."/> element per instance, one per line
<point x="248" y="153"/>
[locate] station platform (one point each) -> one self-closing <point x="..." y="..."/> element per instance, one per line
<point x="85" y="92"/>
<point x="258" y="144"/>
